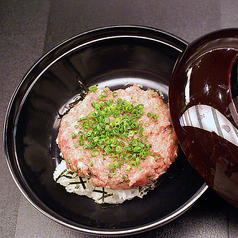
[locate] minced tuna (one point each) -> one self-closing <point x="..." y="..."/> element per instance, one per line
<point x="119" y="139"/>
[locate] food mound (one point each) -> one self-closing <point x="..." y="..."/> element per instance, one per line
<point x="115" y="142"/>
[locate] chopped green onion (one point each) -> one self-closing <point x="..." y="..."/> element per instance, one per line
<point x="111" y="166"/>
<point x="104" y="93"/>
<point x="82" y="118"/>
<point x="114" y="127"/>
<point x="116" y="164"/>
<point x="95" y="152"/>
<point x="118" y="149"/>
<point x="171" y="130"/>
<point x="100" y="97"/>
<point x="93" y="89"/>
<point x="133" y="163"/>
<point x="128" y="168"/>
<point x="140" y="131"/>
<point x="107" y="120"/>
<point x="154" y="117"/>
<point x="117" y="121"/>
<point x="145" y="133"/>
<point x="114" y="94"/>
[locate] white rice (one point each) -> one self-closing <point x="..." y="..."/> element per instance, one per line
<point x="81" y="186"/>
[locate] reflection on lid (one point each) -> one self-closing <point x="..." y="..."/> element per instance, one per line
<point x="222" y="166"/>
<point x="207" y="118"/>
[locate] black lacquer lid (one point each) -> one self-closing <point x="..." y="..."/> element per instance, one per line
<point x="203" y="104"/>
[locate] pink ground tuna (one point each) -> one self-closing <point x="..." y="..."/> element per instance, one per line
<point x="119" y="139"/>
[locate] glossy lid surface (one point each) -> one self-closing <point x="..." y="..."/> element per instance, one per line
<point x="203" y="104"/>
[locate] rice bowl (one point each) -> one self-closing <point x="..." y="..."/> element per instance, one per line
<point x="106" y="57"/>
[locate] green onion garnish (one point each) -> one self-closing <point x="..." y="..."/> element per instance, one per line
<point x="93" y="89"/>
<point x="128" y="168"/>
<point x="114" y="128"/>
<point x="111" y="166"/>
<point x="114" y="94"/>
<point x="104" y="93"/>
<point x="95" y="152"/>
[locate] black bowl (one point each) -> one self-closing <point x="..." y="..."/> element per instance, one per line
<point x="105" y="57"/>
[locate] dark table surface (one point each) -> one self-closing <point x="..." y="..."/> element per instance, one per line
<point x="31" y="28"/>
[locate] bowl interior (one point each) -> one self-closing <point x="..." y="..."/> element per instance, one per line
<point x="108" y="57"/>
